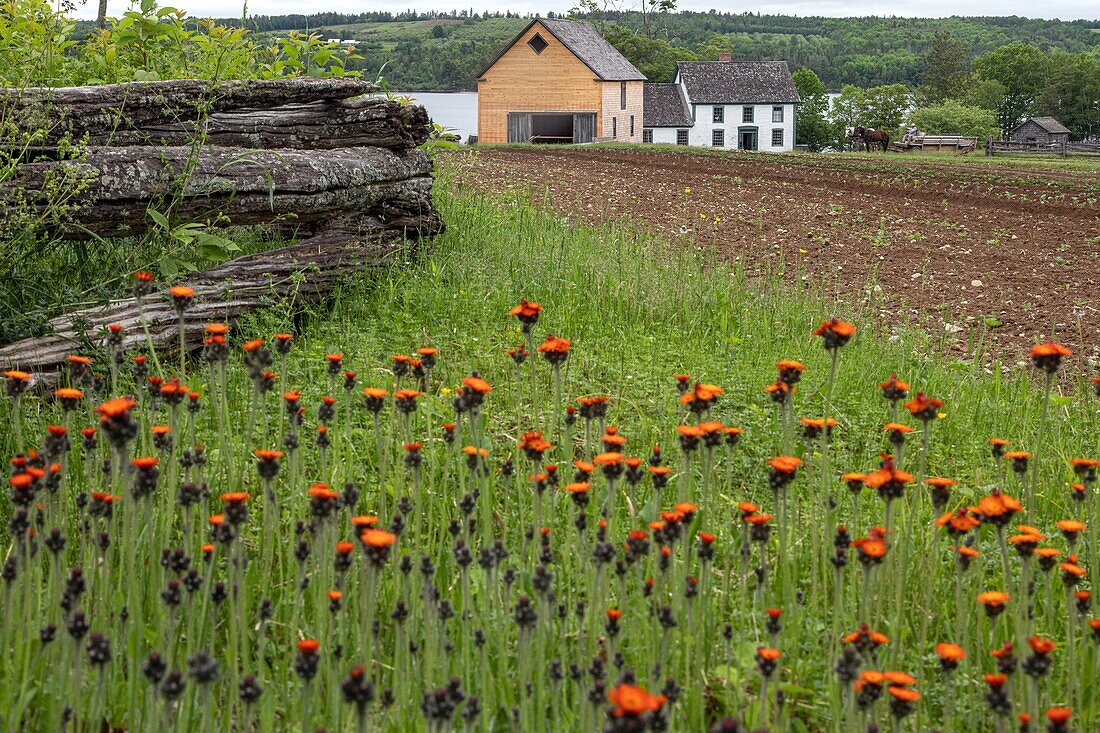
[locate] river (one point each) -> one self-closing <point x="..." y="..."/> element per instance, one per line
<point x="454" y="110"/>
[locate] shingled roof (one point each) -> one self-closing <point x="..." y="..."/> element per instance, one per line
<point x="586" y="43"/>
<point x="664" y="105"/>
<point x="1049" y="124"/>
<point x="733" y="82"/>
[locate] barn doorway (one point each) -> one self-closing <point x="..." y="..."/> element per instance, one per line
<point x="551" y="128"/>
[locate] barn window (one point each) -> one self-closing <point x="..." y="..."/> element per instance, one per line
<point x="537" y="43"/>
<point x="718" y="138"/>
<point x="631" y="125"/>
<point x="647" y="136"/>
<point x="777" y="138"/>
<point x="622" y="95"/>
<point x="746" y="114"/>
<point x="719" y="114"/>
<point x="681" y="137"/>
<point x="777" y="114"/>
<point x="614" y="127"/>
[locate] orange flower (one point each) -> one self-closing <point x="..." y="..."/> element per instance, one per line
<point x="116" y="408"/>
<point x="768" y="653"/>
<point x="375" y="393"/>
<point x="406" y="394"/>
<point x="896" y="427"/>
<point x="252" y="345"/>
<point x="344" y="547"/>
<point x="533" y="443"/>
<point x="477" y="385"/>
<point x="903" y="693"/>
<point x="309" y="646"/>
<point x="216" y="329"/>
<point x="785" y="464"/>
<point x="1071" y="526"/>
<point x="377" y="538"/>
<point x="995" y="680"/>
<point x="940" y="483"/>
<point x="993" y="598"/>
<point x="234" y="497"/>
<point x="78" y="360"/>
<point x="364" y="521"/>
<point x="144" y="463"/>
<point x="950" y="652"/>
<point x="758" y="519"/>
<point x="1059" y="716"/>
<point x="268" y="455"/>
<point x="181" y="292"/>
<point x="578" y="487"/>
<point x="554" y="345"/>
<point x="526" y="310"/>
<point x="922" y="407"/>
<point x="901" y="679"/>
<point x="633" y="701"/>
<point x="1040" y="645"/>
<point x="702" y="395"/>
<point x="334" y="595"/>
<point x="835" y="332"/>
<point x="608" y="459"/>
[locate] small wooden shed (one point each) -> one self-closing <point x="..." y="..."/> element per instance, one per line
<point x="559" y="81"/>
<point x="1040" y="131"/>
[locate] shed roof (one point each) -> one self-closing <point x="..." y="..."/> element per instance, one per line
<point x="586" y="43"/>
<point x="1049" y="124"/>
<point x="664" y="105"/>
<point x="731" y="82"/>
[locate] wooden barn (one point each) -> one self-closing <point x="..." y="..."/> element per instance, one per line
<point x="559" y="81"/>
<point x="1040" y="131"/>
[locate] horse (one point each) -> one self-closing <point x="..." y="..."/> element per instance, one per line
<point x="870" y="137"/>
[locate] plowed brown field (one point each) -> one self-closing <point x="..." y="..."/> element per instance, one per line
<point x="1008" y="255"/>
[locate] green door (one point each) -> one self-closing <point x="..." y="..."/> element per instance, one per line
<point x="747" y="138"/>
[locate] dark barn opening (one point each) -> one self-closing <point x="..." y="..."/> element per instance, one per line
<point x="552" y="129"/>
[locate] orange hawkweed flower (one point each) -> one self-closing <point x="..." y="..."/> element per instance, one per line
<point x="364" y="521"/>
<point x="924" y="408"/>
<point x="835" y="333"/>
<point x="1059" y="716"/>
<point x="950" y="654"/>
<point x="234" y="497"/>
<point x="901" y="679"/>
<point x="994" y="601"/>
<point x="116" y="408"/>
<point x="1040" y="645"/>
<point x="903" y="693"/>
<point x="633" y="701"/>
<point x="527" y="311"/>
<point x="610" y="458"/>
<point x="1070" y="528"/>
<point x="533" y="444"/>
<point x="144" y="463"/>
<point x="309" y="646"/>
<point x="377" y="538"/>
<point x="216" y="329"/>
<point x="1048" y="357"/>
<point x="477" y="385"/>
<point x="554" y="346"/>
<point x="785" y="464"/>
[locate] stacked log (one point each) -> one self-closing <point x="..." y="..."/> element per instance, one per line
<point x="311" y="153"/>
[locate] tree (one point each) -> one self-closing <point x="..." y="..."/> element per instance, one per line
<point x="814" y="130"/>
<point x="945" y="72"/>
<point x="847" y="112"/>
<point x="1072" y="92"/>
<point x="885" y="107"/>
<point x="1022" y="69"/>
<point x="984" y="93"/>
<point x="653" y="57"/>
<point x="952" y="117"/>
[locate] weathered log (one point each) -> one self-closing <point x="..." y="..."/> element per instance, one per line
<point x="231" y="186"/>
<point x="133" y="113"/>
<point x="303" y="273"/>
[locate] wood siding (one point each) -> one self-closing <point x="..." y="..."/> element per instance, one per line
<point x="1033" y="132"/>
<point x="523" y="81"/>
<point x="612" y="109"/>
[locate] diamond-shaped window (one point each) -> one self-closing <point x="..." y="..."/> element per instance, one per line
<point x="537" y="43"/>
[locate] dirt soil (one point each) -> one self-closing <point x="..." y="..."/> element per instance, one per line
<point x="997" y="256"/>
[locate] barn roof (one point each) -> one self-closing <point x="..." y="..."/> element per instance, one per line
<point x="1049" y="124"/>
<point x="586" y="43"/>
<point x="730" y="82"/>
<point x="664" y="105"/>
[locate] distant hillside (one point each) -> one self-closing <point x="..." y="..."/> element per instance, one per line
<point x="446" y="51"/>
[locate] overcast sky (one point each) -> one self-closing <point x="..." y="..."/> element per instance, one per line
<point x="1064" y="9"/>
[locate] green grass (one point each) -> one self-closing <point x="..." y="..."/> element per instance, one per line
<point x="638" y="311"/>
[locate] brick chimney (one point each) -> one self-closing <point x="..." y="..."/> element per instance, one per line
<point x="725" y="57"/>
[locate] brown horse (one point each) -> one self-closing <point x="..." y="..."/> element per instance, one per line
<point x="871" y="137"/>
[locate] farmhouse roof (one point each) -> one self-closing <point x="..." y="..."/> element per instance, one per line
<point x="730" y="82"/>
<point x="664" y="105"/>
<point x="586" y="43"/>
<point x="1049" y="124"/>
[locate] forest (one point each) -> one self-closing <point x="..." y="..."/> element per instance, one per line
<point x="445" y="51"/>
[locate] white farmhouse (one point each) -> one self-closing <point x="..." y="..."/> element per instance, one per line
<point x="733" y="105"/>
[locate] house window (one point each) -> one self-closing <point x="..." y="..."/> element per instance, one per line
<point x="777" y="138"/>
<point x="647" y="136"/>
<point x="693" y="113"/>
<point x="622" y="95"/>
<point x="631" y="125"/>
<point x="719" y="114"/>
<point x="746" y="114"/>
<point x="681" y="137"/>
<point x="777" y="114"/>
<point x="718" y="138"/>
<point x="614" y="127"/>
<point x="537" y="43"/>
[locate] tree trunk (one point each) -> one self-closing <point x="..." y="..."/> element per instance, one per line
<point x="118" y="186"/>
<point x="303" y="274"/>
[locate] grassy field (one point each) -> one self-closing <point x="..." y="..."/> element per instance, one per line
<point x="637" y="312"/>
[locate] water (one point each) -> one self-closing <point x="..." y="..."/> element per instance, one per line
<point x="454" y="110"/>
